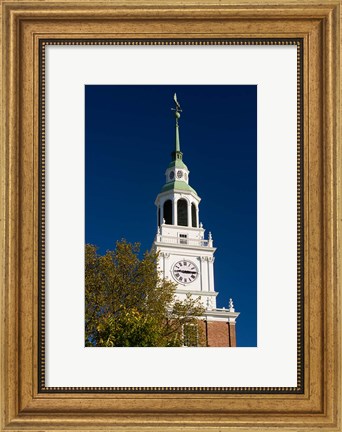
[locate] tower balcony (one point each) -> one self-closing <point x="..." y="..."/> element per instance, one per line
<point x="183" y="241"/>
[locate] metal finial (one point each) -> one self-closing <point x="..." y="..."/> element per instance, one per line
<point x="231" y="305"/>
<point x="178" y="109"/>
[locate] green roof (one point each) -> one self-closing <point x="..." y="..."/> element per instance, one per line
<point x="178" y="163"/>
<point x="178" y="185"/>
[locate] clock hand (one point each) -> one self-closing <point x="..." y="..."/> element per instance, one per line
<point x="188" y="271"/>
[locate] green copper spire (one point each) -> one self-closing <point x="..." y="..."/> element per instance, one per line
<point x="177" y="173"/>
<point x="177" y="154"/>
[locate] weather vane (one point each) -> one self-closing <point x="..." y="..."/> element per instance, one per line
<point x="177" y="110"/>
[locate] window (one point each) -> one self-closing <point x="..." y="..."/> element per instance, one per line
<point x="182" y="212"/>
<point x="168" y="212"/>
<point x="183" y="239"/>
<point x="190" y="335"/>
<point x="193" y="215"/>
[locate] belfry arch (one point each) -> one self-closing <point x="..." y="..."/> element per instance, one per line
<point x="193" y="215"/>
<point x="182" y="212"/>
<point x="167" y="212"/>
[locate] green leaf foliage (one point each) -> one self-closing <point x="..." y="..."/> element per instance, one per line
<point x="128" y="304"/>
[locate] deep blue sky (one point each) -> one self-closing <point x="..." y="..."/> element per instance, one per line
<point x="129" y="133"/>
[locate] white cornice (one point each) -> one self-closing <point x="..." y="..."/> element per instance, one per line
<point x="199" y="293"/>
<point x="178" y="227"/>
<point x="221" y="315"/>
<point x="177" y="191"/>
<point x="185" y="246"/>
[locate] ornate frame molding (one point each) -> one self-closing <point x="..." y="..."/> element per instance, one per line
<point x="25" y="25"/>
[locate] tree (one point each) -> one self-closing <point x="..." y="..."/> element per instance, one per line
<point x="127" y="303"/>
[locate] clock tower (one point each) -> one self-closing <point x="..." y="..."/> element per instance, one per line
<point x="186" y="256"/>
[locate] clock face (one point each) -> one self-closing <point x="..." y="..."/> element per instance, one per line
<point x="179" y="174"/>
<point x="185" y="271"/>
<point x="172" y="174"/>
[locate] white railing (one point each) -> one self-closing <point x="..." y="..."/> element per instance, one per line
<point x="183" y="241"/>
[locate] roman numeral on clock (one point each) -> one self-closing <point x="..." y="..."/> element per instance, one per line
<point x="185" y="271"/>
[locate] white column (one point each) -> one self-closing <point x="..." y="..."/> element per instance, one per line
<point x="201" y="271"/>
<point x="161" y="212"/>
<point x="174" y="211"/>
<point x="161" y="263"/>
<point x="197" y="215"/>
<point x="211" y="279"/>
<point x="164" y="265"/>
<point x="164" y="256"/>
<point x="189" y="214"/>
<point x="211" y="273"/>
<point x="204" y="273"/>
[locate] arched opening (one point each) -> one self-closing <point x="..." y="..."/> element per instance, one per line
<point x="168" y="212"/>
<point x="193" y="215"/>
<point x="190" y="335"/>
<point x="182" y="212"/>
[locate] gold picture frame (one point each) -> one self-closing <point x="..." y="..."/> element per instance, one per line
<point x="25" y="25"/>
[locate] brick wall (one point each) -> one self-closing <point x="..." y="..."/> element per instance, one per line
<point x="219" y="334"/>
<point x="232" y="335"/>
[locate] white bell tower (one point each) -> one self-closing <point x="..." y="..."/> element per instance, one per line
<point x="186" y="256"/>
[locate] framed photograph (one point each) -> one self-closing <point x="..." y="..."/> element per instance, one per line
<point x="170" y="175"/>
<point x="175" y="241"/>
